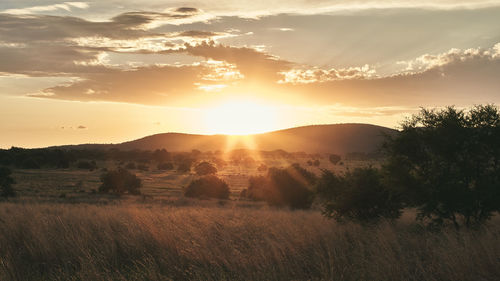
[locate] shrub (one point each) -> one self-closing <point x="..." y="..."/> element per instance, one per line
<point x="283" y="187"/>
<point x="165" y="166"/>
<point x="334" y="158"/>
<point x="448" y="164"/>
<point x="130" y="166"/>
<point x="6" y="182"/>
<point x="209" y="186"/>
<point x="205" y="168"/>
<point x="316" y="163"/>
<point x="120" y="181"/>
<point x="92" y="165"/>
<point x="360" y="195"/>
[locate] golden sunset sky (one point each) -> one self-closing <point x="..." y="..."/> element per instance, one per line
<point x="111" y="71"/>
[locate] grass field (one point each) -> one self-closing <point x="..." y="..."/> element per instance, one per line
<point x="59" y="229"/>
<point x="151" y="242"/>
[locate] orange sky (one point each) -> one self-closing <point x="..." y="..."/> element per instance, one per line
<point x="98" y="72"/>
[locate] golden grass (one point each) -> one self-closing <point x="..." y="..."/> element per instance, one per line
<point x="151" y="242"/>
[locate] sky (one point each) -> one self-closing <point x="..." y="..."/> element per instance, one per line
<point x="112" y="71"/>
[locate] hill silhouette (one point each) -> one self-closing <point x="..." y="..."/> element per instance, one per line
<point x="333" y="138"/>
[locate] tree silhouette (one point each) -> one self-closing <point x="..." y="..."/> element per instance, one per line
<point x="447" y="163"/>
<point x="205" y="168"/>
<point x="208" y="186"/>
<point x="120" y="181"/>
<point x="359" y="195"/>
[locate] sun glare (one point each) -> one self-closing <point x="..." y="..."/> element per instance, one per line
<point x="240" y="118"/>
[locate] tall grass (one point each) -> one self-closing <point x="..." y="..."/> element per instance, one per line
<point x="139" y="242"/>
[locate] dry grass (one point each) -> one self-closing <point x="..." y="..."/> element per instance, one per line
<point x="151" y="242"/>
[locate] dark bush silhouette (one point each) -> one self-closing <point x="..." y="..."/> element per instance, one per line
<point x="316" y="163"/>
<point x="165" y="166"/>
<point x="360" y="195"/>
<point x="334" y="158"/>
<point x="131" y="166"/>
<point x="289" y="187"/>
<point x="447" y="163"/>
<point x="87" y="165"/>
<point x="6" y="182"/>
<point x="207" y="187"/>
<point x="120" y="181"/>
<point x="205" y="168"/>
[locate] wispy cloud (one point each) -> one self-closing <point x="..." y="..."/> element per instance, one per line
<point x="66" y="6"/>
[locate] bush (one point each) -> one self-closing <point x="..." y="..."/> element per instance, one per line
<point x="6" y="182"/>
<point x="92" y="165"/>
<point x="130" y="166"/>
<point x="207" y="187"/>
<point x="334" y="158"/>
<point x="283" y="187"/>
<point x="205" y="168"/>
<point x="165" y="166"/>
<point x="360" y="195"/>
<point x="120" y="181"/>
<point x="448" y="164"/>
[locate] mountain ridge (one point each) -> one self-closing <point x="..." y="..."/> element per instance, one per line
<point x="326" y="138"/>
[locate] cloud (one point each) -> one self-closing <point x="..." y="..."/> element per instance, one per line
<point x="66" y="6"/>
<point x="250" y="62"/>
<point x="154" y="85"/>
<point x="460" y="77"/>
<point x="315" y="75"/>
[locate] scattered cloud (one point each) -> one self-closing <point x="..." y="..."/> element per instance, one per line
<point x="66" y="6"/>
<point x="315" y="75"/>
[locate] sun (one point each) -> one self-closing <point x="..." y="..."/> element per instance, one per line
<point x="240" y="117"/>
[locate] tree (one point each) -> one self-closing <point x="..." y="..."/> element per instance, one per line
<point x="6" y="182"/>
<point x="120" y="181"/>
<point x="448" y="164"/>
<point x="205" y="168"/>
<point x="359" y="195"/>
<point x="209" y="186"/>
<point x="283" y="187"/>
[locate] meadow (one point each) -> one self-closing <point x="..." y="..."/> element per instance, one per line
<point x="127" y="241"/>
<point x="59" y="228"/>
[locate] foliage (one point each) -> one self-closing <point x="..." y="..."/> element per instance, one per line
<point x="334" y="158"/>
<point x="165" y="166"/>
<point x="448" y="164"/>
<point x="359" y="195"/>
<point x="283" y="187"/>
<point x="209" y="186"/>
<point x="120" y="181"/>
<point x="87" y="165"/>
<point x="205" y="168"/>
<point x="6" y="182"/>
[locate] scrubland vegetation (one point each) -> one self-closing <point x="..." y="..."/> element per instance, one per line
<point x="427" y="210"/>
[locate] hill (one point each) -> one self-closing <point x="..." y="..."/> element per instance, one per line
<point x="334" y="138"/>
